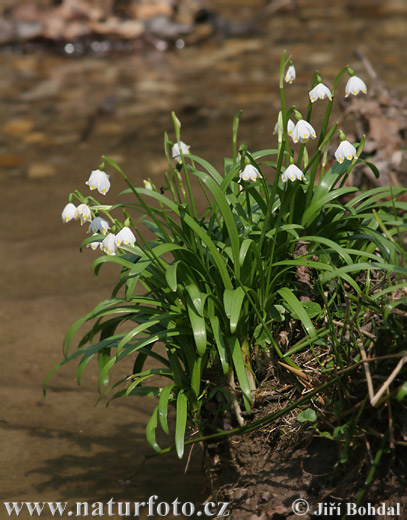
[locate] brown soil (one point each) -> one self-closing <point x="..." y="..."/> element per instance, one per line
<point x="262" y="475"/>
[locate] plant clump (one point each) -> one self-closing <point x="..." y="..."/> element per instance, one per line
<point x="287" y="270"/>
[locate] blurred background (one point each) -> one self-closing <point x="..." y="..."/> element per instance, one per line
<point x="79" y="79"/>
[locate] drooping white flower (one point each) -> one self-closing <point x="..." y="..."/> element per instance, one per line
<point x="290" y="74"/>
<point x="178" y="148"/>
<point x="290" y="127"/>
<point x="99" y="180"/>
<point x="83" y="213"/>
<point x="148" y="185"/>
<point x="125" y="236"/>
<point x="293" y="173"/>
<point x="321" y="91"/>
<point x="354" y="86"/>
<point x="94" y="245"/>
<point x="345" y="150"/>
<point x="69" y="212"/>
<point x="303" y="131"/>
<point x="99" y="225"/>
<point x="250" y="173"/>
<point x="109" y="245"/>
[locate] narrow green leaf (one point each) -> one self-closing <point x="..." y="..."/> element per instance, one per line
<point x="163" y="407"/>
<point x="151" y="430"/>
<point x="103" y="358"/>
<point x="196" y="376"/>
<point x="181" y="423"/>
<point x="171" y="275"/>
<point x="220" y="344"/>
<point x="232" y="301"/>
<point x="198" y="328"/>
<point x="295" y="305"/>
<point x="239" y="364"/>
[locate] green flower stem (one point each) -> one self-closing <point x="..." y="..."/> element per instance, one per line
<point x="189" y="188"/>
<point x="235" y="130"/>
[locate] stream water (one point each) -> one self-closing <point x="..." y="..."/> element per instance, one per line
<point x="58" y="114"/>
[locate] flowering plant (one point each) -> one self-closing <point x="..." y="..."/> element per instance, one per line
<point x="271" y="251"/>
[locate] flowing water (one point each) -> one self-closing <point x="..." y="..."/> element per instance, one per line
<point x="58" y="115"/>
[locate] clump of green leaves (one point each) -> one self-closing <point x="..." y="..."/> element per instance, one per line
<point x="283" y="245"/>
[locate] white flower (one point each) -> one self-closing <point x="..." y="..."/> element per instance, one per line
<point x="109" y="245"/>
<point x="148" y="185"/>
<point x="354" y="86"/>
<point x="290" y="74"/>
<point x="290" y="127"/>
<point x="250" y="173"/>
<point x="69" y="212"/>
<point x="345" y="150"/>
<point x="99" y="180"/>
<point x="83" y="212"/>
<point x="94" y="245"/>
<point x="293" y="173"/>
<point x="178" y="148"/>
<point x="321" y="91"/>
<point x="99" y="225"/>
<point x="125" y="236"/>
<point x="303" y="131"/>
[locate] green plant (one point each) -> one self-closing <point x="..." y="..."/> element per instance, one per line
<point x="220" y="286"/>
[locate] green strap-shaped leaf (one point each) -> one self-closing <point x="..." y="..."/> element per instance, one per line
<point x="196" y="377"/>
<point x="232" y="301"/>
<point x="198" y="328"/>
<point x="195" y="227"/>
<point x="163" y="407"/>
<point x="220" y="344"/>
<point x="171" y="275"/>
<point x="151" y="430"/>
<point x="195" y="306"/>
<point x="103" y="358"/>
<point x="295" y="305"/>
<point x="238" y="363"/>
<point x="230" y="223"/>
<point x="181" y="422"/>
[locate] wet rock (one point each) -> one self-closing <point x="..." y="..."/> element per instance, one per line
<point x="18" y="127"/>
<point x="6" y="30"/>
<point x="43" y="90"/>
<point x="35" y="138"/>
<point x="40" y="170"/>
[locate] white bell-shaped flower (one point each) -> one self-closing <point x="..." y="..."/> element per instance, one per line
<point x="99" y="225"/>
<point x="148" y="185"/>
<point x="303" y="131"/>
<point x="69" y="212"/>
<point x="125" y="236"/>
<point x="290" y="74"/>
<point x="83" y="213"/>
<point x="250" y="173"/>
<point x="354" y="86"/>
<point x="345" y="150"/>
<point x="109" y="245"/>
<point x="292" y="173"/>
<point x="178" y="148"/>
<point x="99" y="180"/>
<point x="290" y="127"/>
<point x="94" y="245"/>
<point x="321" y="91"/>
